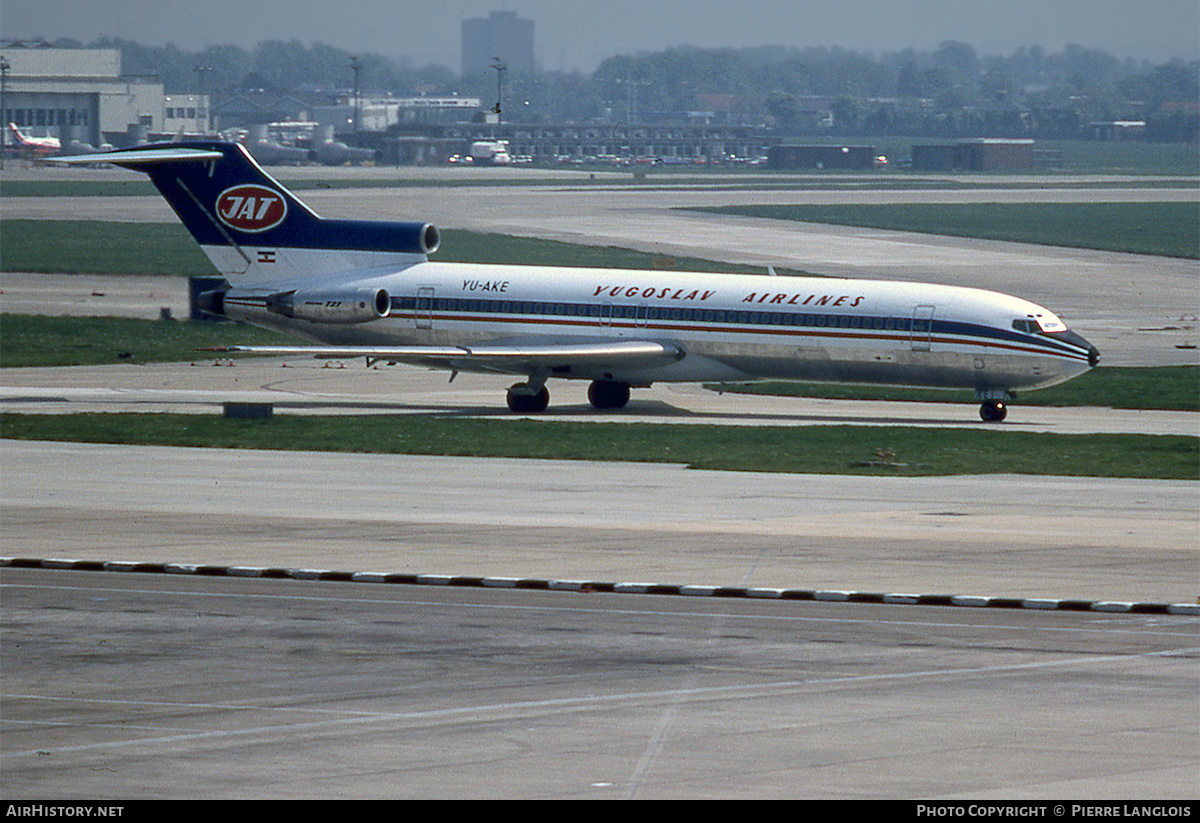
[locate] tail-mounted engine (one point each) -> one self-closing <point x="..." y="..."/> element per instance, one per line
<point x="317" y="306"/>
<point x="334" y="306"/>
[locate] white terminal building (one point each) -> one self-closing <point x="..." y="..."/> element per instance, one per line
<point x="81" y="94"/>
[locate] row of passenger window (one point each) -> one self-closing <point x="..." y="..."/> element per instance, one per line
<point x="605" y="313"/>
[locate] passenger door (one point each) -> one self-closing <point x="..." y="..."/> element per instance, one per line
<point x="922" y="328"/>
<point x="424" y="312"/>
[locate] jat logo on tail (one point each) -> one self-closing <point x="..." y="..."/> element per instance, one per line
<point x="251" y="208"/>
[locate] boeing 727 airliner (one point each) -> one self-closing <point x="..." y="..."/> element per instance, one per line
<point x="368" y="289"/>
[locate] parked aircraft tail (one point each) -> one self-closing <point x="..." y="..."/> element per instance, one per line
<point x="254" y="230"/>
<point x="37" y="145"/>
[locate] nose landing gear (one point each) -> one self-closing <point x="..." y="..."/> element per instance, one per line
<point x="993" y="411"/>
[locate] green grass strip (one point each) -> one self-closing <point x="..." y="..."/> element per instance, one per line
<point x="1174" y="388"/>
<point x="1164" y="229"/>
<point x="894" y="451"/>
<point x="136" y="187"/>
<point x="34" y="340"/>
<point x="92" y="247"/>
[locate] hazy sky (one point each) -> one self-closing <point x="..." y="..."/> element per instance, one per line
<point x="578" y="34"/>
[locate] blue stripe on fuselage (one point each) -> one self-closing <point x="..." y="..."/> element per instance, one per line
<point x="586" y="316"/>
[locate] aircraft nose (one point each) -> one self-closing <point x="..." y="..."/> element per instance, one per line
<point x="1093" y="352"/>
<point x="1076" y="340"/>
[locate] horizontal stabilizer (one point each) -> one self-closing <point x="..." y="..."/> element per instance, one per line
<point x="141" y="157"/>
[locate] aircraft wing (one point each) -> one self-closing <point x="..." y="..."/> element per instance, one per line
<point x="508" y="358"/>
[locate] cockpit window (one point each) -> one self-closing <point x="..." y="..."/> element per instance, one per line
<point x="1050" y="324"/>
<point x="1039" y="323"/>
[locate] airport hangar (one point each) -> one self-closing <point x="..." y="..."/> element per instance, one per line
<point x="82" y="94"/>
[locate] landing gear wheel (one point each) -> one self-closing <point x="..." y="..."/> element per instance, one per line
<point x="607" y="394"/>
<point x="993" y="411"/>
<point x="522" y="401"/>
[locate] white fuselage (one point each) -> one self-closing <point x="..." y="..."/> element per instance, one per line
<point x="730" y="327"/>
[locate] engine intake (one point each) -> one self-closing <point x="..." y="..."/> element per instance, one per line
<point x="431" y="238"/>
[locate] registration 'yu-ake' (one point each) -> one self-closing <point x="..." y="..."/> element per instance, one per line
<point x="368" y="289"/>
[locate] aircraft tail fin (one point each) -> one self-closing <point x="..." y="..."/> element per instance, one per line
<point x="256" y="231"/>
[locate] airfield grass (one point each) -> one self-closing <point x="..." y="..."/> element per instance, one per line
<point x="1167" y="229"/>
<point x="34" y="340"/>
<point x="1173" y="388"/>
<point x="93" y="247"/>
<point x="899" y="451"/>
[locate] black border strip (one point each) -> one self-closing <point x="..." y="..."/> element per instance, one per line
<point x="408" y="579"/>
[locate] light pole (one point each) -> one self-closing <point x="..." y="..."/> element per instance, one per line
<point x="200" y="71"/>
<point x="500" y="68"/>
<point x="357" y="67"/>
<point x="4" y="67"/>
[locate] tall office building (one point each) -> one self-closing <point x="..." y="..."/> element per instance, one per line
<point x="500" y="35"/>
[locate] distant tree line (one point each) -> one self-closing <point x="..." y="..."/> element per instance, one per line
<point x="950" y="91"/>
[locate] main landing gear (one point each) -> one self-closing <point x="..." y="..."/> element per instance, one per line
<point x="993" y="411"/>
<point x="607" y="394"/>
<point x="533" y="397"/>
